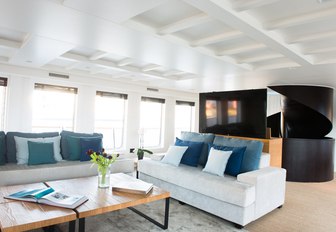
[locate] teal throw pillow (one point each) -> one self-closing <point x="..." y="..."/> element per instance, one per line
<point x="89" y="143"/>
<point x="74" y="147"/>
<point x="2" y="148"/>
<point x="192" y="155"/>
<point x="235" y="161"/>
<point x="65" y="150"/>
<point x="40" y="153"/>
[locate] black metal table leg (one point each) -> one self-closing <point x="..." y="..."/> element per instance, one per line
<point x="72" y="226"/>
<point x="81" y="225"/>
<point x="166" y="216"/>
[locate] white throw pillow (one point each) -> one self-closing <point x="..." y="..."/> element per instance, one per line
<point x="217" y="161"/>
<point x="57" y="146"/>
<point x="22" y="152"/>
<point x="174" y="155"/>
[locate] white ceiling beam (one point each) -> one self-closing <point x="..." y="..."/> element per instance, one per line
<point x="320" y="50"/>
<point x="222" y="11"/>
<point x="98" y="55"/>
<point x="28" y="37"/>
<point x="260" y="58"/>
<point x="150" y="67"/>
<point x="241" y="49"/>
<point x="109" y="65"/>
<point x="9" y="43"/>
<point x="183" y="24"/>
<point x="173" y="73"/>
<point x="301" y="19"/>
<point x="125" y="62"/>
<point x="312" y="37"/>
<point x="72" y="66"/>
<point x="277" y="65"/>
<point x="242" y="5"/>
<point x="216" y="38"/>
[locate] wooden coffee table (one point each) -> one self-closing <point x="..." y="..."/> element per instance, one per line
<point x="21" y="215"/>
<point x="105" y="200"/>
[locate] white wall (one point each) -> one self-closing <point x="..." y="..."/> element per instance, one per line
<point x="19" y="103"/>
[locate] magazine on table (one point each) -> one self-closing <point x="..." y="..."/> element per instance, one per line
<point x="133" y="186"/>
<point x="48" y="196"/>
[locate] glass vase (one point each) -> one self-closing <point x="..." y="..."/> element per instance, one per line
<point x="104" y="177"/>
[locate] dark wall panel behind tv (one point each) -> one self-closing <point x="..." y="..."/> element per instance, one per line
<point x="239" y="113"/>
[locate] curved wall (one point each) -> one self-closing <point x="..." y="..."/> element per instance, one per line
<point x="307" y="113"/>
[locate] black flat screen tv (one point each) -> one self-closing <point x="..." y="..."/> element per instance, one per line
<point x="237" y="113"/>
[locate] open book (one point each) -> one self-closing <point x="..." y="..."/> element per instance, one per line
<point x="133" y="186"/>
<point x="48" y="196"/>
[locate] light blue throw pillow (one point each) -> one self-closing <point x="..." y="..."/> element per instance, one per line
<point x="252" y="153"/>
<point x="174" y="155"/>
<point x="217" y="162"/>
<point x="235" y="161"/>
<point x="205" y="138"/>
<point x="40" y="153"/>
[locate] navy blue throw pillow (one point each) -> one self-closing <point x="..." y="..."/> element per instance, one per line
<point x="89" y="143"/>
<point x="233" y="166"/>
<point x="193" y="153"/>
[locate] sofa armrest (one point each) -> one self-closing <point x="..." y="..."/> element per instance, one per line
<point x="270" y="185"/>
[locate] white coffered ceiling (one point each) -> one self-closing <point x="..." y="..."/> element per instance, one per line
<point x="169" y="43"/>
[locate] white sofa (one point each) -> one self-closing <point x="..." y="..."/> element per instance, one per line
<point x="240" y="199"/>
<point x="12" y="174"/>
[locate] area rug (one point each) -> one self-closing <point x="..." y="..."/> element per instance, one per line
<point x="182" y="218"/>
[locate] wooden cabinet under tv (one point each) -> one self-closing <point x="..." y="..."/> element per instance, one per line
<point x="273" y="146"/>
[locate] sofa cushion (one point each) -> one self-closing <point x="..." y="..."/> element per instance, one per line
<point x="223" y="188"/>
<point x="86" y="144"/>
<point x="10" y="142"/>
<point x="2" y="148"/>
<point x="252" y="153"/>
<point x="22" y="150"/>
<point x="236" y="158"/>
<point x="217" y="161"/>
<point x="192" y="155"/>
<point x="12" y="174"/>
<point x="41" y="153"/>
<point x="56" y="146"/>
<point x="64" y="144"/>
<point x="174" y="155"/>
<point x="199" y="137"/>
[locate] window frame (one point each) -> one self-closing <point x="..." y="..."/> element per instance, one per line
<point x="192" y="114"/>
<point x="117" y="96"/>
<point x="62" y="89"/>
<point x="162" y="101"/>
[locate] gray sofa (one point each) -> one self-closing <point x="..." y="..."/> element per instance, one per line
<point x="12" y="173"/>
<point x="240" y="199"/>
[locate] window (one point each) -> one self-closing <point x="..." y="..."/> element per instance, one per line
<point x="184" y="117"/>
<point x="3" y="88"/>
<point x="53" y="108"/>
<point x="151" y="118"/>
<point x="110" y="118"/>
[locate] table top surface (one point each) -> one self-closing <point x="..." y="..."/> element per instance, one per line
<point x="103" y="200"/>
<point x="23" y="215"/>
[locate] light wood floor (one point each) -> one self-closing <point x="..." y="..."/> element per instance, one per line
<point x="308" y="207"/>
